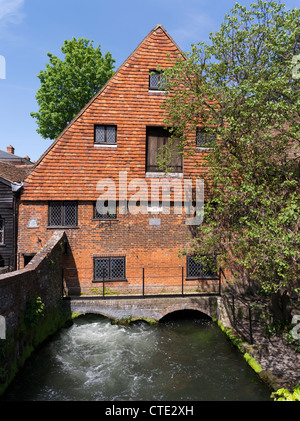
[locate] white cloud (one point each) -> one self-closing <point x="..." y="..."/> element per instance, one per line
<point x="11" y="11"/>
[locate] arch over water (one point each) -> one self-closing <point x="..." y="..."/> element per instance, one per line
<point x="185" y="314"/>
<point x="155" y="308"/>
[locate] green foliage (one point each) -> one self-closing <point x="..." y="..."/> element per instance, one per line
<point x="34" y="311"/>
<point x="240" y="87"/>
<point x="286" y="395"/>
<point x="107" y="291"/>
<point x="68" y="85"/>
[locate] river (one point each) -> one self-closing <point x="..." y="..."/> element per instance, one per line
<point x="180" y="360"/>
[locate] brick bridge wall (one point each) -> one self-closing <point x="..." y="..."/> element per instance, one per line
<point x="155" y="307"/>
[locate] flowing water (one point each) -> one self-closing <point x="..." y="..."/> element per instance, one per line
<point x="179" y="360"/>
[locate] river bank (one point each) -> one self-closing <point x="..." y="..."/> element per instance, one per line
<point x="275" y="361"/>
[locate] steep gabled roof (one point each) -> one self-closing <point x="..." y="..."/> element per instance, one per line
<point x="71" y="167"/>
<point x="105" y="86"/>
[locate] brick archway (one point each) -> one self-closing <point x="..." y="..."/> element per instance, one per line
<point x="154" y="308"/>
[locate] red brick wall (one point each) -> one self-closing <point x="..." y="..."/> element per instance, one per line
<point x="154" y="248"/>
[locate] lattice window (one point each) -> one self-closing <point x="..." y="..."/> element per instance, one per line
<point x="156" y="80"/>
<point x="70" y="213"/>
<point x="196" y="269"/>
<point x="103" y="211"/>
<point x="1" y="231"/>
<point x="106" y="135"/>
<point x="63" y="214"/>
<point x="109" y="268"/>
<point x="205" y="139"/>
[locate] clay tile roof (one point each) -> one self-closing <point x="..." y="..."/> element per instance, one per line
<point x="14" y="173"/>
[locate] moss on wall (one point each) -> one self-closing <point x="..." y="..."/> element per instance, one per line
<point x="35" y="326"/>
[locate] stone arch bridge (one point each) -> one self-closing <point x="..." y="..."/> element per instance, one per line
<point x="154" y="308"/>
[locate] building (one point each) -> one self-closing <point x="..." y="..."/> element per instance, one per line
<point x="11" y="177"/>
<point x="114" y="141"/>
<point x="9" y="157"/>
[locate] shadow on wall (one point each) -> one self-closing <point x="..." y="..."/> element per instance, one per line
<point x="71" y="285"/>
<point x="184" y="315"/>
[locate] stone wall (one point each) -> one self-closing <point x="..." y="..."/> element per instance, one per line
<point x="30" y="306"/>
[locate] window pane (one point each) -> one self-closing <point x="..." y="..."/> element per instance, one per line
<point x="153" y="80"/>
<point x="103" y="212"/>
<point x="105" y="134"/>
<point x="101" y="268"/>
<point x="99" y="134"/>
<point x="117" y="267"/>
<point x="56" y="213"/>
<point x="204" y="138"/>
<point x="156" y="80"/>
<point x="196" y="269"/>
<point x="70" y="213"/>
<point x="110" y="134"/>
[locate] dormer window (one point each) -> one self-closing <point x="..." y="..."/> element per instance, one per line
<point x="156" y="80"/>
<point x="105" y="135"/>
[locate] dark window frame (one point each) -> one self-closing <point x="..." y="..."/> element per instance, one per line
<point x="105" y="134"/>
<point x="63" y="204"/>
<point x="159" y="132"/>
<point x="206" y="140"/>
<point x="109" y="277"/>
<point x="203" y="273"/>
<point x="160" y="80"/>
<point x="2" y="232"/>
<point x="105" y="217"/>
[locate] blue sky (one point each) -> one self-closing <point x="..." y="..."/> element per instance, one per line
<point x="31" y="28"/>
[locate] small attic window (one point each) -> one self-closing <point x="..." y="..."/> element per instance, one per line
<point x="204" y="138"/>
<point x="105" y="135"/>
<point x="156" y="80"/>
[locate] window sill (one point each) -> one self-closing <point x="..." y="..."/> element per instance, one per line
<point x="202" y="278"/>
<point x="67" y="227"/>
<point x="203" y="148"/>
<point x="156" y="91"/>
<point x="105" y="145"/>
<point x="105" y="220"/>
<point x="97" y="281"/>
<point x="163" y="175"/>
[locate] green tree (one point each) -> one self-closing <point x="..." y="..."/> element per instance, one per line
<point x="241" y="87"/>
<point x="68" y="85"/>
